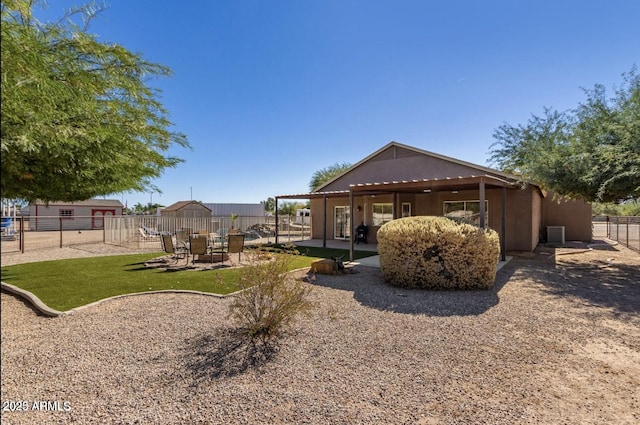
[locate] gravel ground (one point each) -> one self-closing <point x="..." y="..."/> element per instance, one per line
<point x="555" y="341"/>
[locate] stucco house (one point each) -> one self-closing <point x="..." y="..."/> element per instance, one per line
<point x="399" y="180"/>
<point x="80" y="215"/>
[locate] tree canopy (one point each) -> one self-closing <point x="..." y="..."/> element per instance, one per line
<point x="322" y="176"/>
<point x="269" y="204"/>
<point x="290" y="208"/>
<point x="79" y="118"/>
<point x="149" y="208"/>
<point x="590" y="152"/>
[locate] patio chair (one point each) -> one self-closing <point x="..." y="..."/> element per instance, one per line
<point x="182" y="235"/>
<point x="235" y="244"/>
<point x="178" y="252"/>
<point x="144" y="234"/>
<point x="198" y="246"/>
<point x="150" y="232"/>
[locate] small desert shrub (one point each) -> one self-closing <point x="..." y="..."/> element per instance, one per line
<point x="436" y="252"/>
<point x="270" y="300"/>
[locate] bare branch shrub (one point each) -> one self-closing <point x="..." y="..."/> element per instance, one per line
<point x="270" y="300"/>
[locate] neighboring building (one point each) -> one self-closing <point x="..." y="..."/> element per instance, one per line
<point x="191" y="209"/>
<point x="303" y="216"/>
<point x="81" y="215"/>
<point x="186" y="209"/>
<point x="241" y="210"/>
<point x="211" y="217"/>
<point x="398" y="181"/>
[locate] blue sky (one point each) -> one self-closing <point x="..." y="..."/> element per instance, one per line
<point x="268" y="92"/>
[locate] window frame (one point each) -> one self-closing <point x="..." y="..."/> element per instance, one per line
<point x="379" y="222"/>
<point x="465" y="209"/>
<point x="66" y="213"/>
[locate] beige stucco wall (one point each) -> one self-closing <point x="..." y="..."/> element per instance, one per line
<point x="574" y="215"/>
<point x="536" y="217"/>
<point x="522" y="224"/>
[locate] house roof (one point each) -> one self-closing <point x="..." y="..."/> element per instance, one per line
<point x="181" y="204"/>
<point x="481" y="169"/>
<point x="424" y="185"/>
<point x="491" y="178"/>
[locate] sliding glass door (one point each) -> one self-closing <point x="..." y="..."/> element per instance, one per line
<point x="342" y="223"/>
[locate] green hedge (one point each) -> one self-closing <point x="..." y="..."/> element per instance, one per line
<point x="436" y="252"/>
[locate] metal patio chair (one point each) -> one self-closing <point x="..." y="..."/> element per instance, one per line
<point x="178" y="251"/>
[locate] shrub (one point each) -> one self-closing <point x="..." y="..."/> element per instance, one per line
<point x="270" y="300"/>
<point x="436" y="252"/>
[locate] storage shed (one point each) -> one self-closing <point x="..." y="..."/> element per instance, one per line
<point x="186" y="209"/>
<point x="81" y="215"/>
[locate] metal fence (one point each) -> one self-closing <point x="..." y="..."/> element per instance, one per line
<point x="624" y="230"/>
<point x="25" y="234"/>
<point x="144" y="231"/>
<point x="22" y="234"/>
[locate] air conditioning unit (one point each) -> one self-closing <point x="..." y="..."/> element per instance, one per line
<point x="555" y="234"/>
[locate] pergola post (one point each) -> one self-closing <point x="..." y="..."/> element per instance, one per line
<point x="351" y="225"/>
<point x="324" y="221"/>
<point x="503" y="229"/>
<point x="482" y="208"/>
<point x="276" y="220"/>
<point x="396" y="206"/>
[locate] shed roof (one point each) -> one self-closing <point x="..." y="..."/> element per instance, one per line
<point x="86" y="202"/>
<point x="181" y="204"/>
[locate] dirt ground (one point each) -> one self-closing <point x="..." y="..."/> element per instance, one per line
<point x="555" y="341"/>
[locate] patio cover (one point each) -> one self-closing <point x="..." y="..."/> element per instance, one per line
<point x="416" y="186"/>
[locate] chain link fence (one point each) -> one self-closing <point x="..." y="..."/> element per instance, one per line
<point x="624" y="230"/>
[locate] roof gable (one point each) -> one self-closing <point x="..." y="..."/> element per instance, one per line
<point x="181" y="204"/>
<point x="398" y="162"/>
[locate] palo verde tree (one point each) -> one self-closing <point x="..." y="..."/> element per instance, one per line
<point x="591" y="152"/>
<point x="322" y="176"/>
<point x="78" y="116"/>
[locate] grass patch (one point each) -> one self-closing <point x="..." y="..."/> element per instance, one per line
<point x="71" y="283"/>
<point x="319" y="252"/>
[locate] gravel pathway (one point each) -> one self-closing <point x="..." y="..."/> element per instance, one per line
<point x="556" y="340"/>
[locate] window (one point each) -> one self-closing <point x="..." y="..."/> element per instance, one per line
<point x="382" y="213"/>
<point x="66" y="213"/>
<point x="468" y="211"/>
<point x="406" y="209"/>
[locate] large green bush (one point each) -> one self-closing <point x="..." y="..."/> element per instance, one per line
<point x="436" y="252"/>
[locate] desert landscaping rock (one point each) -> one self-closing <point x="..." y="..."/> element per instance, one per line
<point x="556" y="340"/>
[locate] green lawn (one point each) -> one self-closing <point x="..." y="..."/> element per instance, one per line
<point x="66" y="284"/>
